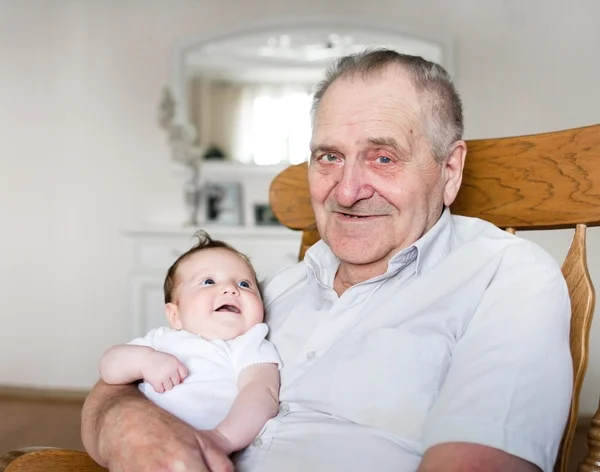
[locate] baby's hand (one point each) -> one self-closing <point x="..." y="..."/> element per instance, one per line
<point x="163" y="371"/>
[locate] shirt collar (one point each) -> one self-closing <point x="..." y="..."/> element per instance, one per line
<point x="435" y="243"/>
<point x="424" y="253"/>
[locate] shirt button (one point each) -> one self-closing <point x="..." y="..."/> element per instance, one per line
<point x="257" y="442"/>
<point x="284" y="408"/>
<point x="311" y="354"/>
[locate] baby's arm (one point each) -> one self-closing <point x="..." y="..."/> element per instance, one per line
<point x="257" y="402"/>
<point x="124" y="363"/>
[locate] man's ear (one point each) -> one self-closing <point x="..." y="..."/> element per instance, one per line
<point x="172" y="311"/>
<point x="453" y="171"/>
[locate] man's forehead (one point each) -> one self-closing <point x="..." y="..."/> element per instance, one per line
<point x="392" y="82"/>
<point x="389" y="98"/>
<point x="372" y="125"/>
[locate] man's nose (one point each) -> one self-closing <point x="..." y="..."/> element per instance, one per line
<point x="353" y="185"/>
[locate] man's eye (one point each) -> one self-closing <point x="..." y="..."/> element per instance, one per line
<point x="244" y="284"/>
<point x="383" y="160"/>
<point x="329" y="157"/>
<point x="208" y="281"/>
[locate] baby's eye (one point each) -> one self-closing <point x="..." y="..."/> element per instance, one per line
<point x="244" y="284"/>
<point x="208" y="281"/>
<point x="383" y="159"/>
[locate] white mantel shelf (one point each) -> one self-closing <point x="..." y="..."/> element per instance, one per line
<point x="212" y="167"/>
<point x="217" y="169"/>
<point x="150" y="230"/>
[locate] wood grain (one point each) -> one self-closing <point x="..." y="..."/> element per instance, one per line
<point x="582" y="295"/>
<point x="48" y="460"/>
<point x="290" y="199"/>
<point x="591" y="462"/>
<point x="543" y="181"/>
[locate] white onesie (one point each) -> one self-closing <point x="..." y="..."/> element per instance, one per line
<point x="206" y="395"/>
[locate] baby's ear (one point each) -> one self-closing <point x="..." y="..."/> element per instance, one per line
<point x="172" y="312"/>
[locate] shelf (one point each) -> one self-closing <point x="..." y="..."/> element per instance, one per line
<point x="218" y="169"/>
<point x="237" y="168"/>
<point x="220" y="230"/>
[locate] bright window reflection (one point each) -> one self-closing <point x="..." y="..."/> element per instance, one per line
<point x="254" y="123"/>
<point x="281" y="128"/>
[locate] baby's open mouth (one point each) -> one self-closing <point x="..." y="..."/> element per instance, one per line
<point x="228" y="308"/>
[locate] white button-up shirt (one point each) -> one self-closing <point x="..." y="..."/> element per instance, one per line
<point x="464" y="338"/>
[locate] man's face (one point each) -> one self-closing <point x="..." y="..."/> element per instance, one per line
<point x="375" y="186"/>
<point x="216" y="295"/>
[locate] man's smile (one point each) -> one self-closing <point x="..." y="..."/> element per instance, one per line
<point x="355" y="217"/>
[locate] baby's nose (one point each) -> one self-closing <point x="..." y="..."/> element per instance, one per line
<point x="230" y="288"/>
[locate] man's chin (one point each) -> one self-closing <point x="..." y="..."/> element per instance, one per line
<point x="357" y="252"/>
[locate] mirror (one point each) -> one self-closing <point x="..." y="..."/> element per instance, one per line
<point x="247" y="97"/>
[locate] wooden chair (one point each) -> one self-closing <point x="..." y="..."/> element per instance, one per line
<point x="544" y="181"/>
<point x="48" y="459"/>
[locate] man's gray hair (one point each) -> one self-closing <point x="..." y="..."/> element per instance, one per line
<point x="443" y="116"/>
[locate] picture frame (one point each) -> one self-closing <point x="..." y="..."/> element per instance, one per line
<point x="223" y="203"/>
<point x="264" y="216"/>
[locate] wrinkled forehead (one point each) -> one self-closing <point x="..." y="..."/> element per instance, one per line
<point x="384" y="104"/>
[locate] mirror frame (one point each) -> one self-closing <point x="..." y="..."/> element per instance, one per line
<point x="174" y="105"/>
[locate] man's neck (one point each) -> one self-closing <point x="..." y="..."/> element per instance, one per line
<point x="348" y="275"/>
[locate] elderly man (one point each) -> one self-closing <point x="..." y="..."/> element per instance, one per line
<point x="412" y="340"/>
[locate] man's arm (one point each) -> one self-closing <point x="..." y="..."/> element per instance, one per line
<point x="98" y="404"/>
<point x="124" y="431"/>
<point x="495" y="392"/>
<point x="466" y="457"/>
<point x="256" y="403"/>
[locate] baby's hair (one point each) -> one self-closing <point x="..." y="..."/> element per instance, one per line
<point x="204" y="242"/>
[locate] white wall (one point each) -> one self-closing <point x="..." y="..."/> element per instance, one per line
<point x="82" y="156"/>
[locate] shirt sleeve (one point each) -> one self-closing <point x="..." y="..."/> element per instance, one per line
<point x="253" y="348"/>
<point x="510" y="381"/>
<point x="150" y="339"/>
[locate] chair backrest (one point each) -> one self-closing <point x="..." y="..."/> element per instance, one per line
<point x="543" y="181"/>
<point x="37" y="459"/>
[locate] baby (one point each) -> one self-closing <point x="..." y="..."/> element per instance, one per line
<point x="213" y="367"/>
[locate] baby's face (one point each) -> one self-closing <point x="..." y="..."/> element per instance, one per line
<point x="216" y="295"/>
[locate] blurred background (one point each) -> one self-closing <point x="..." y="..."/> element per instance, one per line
<point x="127" y="124"/>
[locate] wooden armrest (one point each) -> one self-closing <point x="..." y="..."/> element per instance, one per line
<point x="47" y="459"/>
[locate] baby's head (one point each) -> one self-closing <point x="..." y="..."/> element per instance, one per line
<point x="212" y="290"/>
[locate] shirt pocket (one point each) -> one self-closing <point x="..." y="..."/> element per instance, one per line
<point x="389" y="378"/>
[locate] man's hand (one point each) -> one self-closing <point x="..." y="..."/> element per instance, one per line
<point x="125" y="432"/>
<point x="163" y="371"/>
<point x="220" y="440"/>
